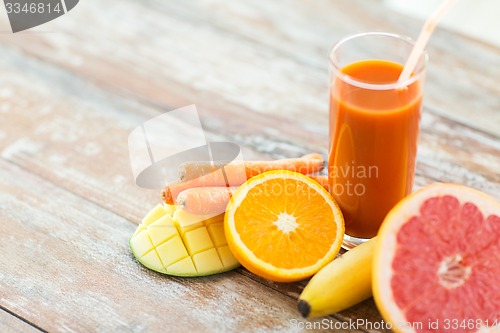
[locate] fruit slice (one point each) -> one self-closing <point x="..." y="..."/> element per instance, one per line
<point x="283" y="226"/>
<point x="437" y="264"/>
<point x="174" y="242"/>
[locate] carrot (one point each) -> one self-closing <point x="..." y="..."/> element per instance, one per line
<point x="309" y="163"/>
<point x="236" y="173"/>
<point x="193" y="170"/>
<point x="205" y="200"/>
<point x="214" y="200"/>
<point x="306" y="164"/>
<point x="170" y="193"/>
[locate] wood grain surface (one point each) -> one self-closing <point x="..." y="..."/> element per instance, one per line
<point x="11" y="323"/>
<point x="72" y="90"/>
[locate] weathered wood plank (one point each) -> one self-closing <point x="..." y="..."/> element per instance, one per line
<point x="453" y="152"/>
<point x="81" y="131"/>
<point x="11" y="324"/>
<point x="70" y="269"/>
<point x="267" y="57"/>
<point x="363" y="316"/>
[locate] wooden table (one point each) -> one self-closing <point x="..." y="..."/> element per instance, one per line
<point x="72" y="90"/>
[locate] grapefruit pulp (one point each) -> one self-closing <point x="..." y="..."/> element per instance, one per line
<point x="437" y="262"/>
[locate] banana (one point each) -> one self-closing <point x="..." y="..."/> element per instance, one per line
<point x="344" y="282"/>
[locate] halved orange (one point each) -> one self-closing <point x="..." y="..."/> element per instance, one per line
<point x="437" y="264"/>
<point x="283" y="226"/>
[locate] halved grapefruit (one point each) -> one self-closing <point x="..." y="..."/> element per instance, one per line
<point x="437" y="262"/>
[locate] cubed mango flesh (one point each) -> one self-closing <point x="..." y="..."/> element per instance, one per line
<point x="162" y="230"/>
<point x="173" y="242"/>
<point x="208" y="261"/>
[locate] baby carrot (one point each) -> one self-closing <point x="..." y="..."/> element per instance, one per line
<point x="214" y="200"/>
<point x="170" y="193"/>
<point x="195" y="169"/>
<point x="309" y="163"/>
<point x="205" y="200"/>
<point x="236" y="173"/>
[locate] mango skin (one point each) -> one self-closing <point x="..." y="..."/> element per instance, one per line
<point x="173" y="242"/>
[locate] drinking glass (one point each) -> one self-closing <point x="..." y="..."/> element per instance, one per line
<point x="374" y="124"/>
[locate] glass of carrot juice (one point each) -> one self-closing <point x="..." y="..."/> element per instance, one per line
<point x="374" y="126"/>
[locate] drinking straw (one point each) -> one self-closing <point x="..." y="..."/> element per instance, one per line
<point x="422" y="40"/>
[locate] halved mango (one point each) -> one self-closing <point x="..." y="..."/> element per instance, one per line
<point x="174" y="242"/>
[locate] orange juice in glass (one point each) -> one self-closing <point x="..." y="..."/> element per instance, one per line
<point x="373" y="129"/>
